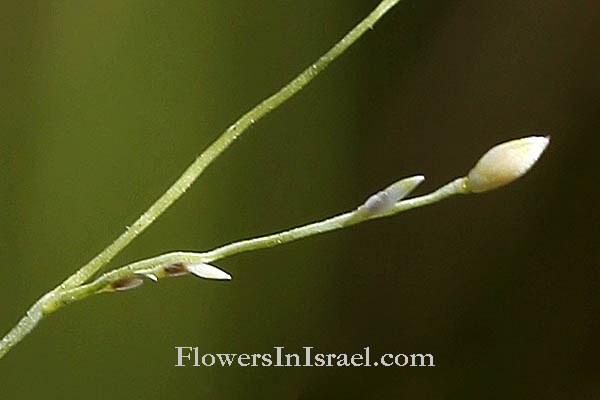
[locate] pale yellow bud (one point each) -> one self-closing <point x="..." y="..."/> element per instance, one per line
<point x="506" y="162"/>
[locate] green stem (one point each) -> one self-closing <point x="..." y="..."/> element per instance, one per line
<point x="37" y="311"/>
<point x="219" y="145"/>
<point x="334" y="223"/>
<point x="151" y="265"/>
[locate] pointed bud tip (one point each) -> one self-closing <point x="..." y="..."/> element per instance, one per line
<point x="208" y="271"/>
<point x="506" y="162"/>
<point x="399" y="190"/>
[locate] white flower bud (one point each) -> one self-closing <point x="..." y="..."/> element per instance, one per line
<point x="385" y="200"/>
<point x="208" y="271"/>
<point x="506" y="162"/>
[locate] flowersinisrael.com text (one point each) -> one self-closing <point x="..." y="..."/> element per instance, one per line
<point x="308" y="357"/>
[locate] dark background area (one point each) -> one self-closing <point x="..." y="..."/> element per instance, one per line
<point x="105" y="103"/>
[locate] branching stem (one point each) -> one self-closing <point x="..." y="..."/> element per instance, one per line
<point x="457" y="186"/>
<point x="72" y="285"/>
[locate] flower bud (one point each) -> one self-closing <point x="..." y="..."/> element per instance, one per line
<point x="201" y="270"/>
<point x="506" y="162"/>
<point x="383" y="201"/>
<point x="208" y="271"/>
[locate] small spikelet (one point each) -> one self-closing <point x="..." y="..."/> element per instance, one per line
<point x="176" y="269"/>
<point x="128" y="283"/>
<point x="385" y="200"/>
<point x="208" y="271"/>
<point x="506" y="162"/>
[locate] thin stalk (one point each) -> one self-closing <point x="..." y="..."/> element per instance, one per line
<point x="150" y="265"/>
<point x="219" y="145"/>
<point x="37" y="311"/>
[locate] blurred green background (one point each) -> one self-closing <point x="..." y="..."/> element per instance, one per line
<point x="105" y="103"/>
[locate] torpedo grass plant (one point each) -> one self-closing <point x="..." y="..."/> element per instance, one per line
<point x="499" y="166"/>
